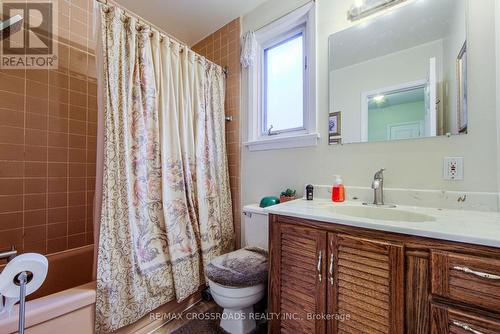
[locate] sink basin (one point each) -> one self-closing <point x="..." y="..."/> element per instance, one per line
<point x="381" y="214"/>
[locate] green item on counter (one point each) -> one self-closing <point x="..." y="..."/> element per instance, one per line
<point x="268" y="201"/>
<point x="288" y="193"/>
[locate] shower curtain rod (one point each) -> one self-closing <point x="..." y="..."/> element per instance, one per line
<point x="141" y="20"/>
<point x="161" y="31"/>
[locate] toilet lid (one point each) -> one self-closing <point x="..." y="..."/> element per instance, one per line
<point x="242" y="268"/>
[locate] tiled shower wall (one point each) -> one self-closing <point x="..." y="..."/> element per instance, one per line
<point x="48" y="143"/>
<point x="223" y="48"/>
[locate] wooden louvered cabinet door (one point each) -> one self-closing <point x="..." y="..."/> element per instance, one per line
<point x="365" y="286"/>
<point x="297" y="283"/>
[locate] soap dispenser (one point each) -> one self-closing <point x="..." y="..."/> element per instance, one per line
<point x="338" y="190"/>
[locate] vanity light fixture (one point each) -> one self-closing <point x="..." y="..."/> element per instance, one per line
<point x="364" y="8"/>
<point x="359" y="3"/>
<point x="379" y="98"/>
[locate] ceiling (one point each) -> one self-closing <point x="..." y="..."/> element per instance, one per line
<point x="190" y="20"/>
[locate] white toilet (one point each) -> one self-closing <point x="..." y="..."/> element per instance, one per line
<point x="238" y="280"/>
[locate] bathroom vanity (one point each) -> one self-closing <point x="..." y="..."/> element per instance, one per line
<point x="333" y="272"/>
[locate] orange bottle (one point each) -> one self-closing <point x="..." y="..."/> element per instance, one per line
<point x="338" y="190"/>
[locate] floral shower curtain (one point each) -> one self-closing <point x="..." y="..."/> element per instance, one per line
<point x="165" y="205"/>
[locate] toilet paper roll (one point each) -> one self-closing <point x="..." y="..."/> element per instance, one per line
<point x="33" y="263"/>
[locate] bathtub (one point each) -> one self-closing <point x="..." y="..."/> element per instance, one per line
<point x="66" y="301"/>
<point x="65" y="291"/>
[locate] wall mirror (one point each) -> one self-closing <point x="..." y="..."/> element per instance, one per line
<point x="400" y="73"/>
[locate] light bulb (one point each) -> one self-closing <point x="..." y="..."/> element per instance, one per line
<point x="379" y="98"/>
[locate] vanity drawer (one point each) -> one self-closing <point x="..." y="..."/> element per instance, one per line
<point x="467" y="279"/>
<point x="449" y="320"/>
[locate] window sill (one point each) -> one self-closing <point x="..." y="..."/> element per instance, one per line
<point x="276" y="143"/>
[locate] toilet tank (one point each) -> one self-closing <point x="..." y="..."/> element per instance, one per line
<point x="256" y="228"/>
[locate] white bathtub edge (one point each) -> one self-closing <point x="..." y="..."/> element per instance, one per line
<point x="53" y="306"/>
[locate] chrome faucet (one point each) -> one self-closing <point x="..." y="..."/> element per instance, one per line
<point x="378" y="187"/>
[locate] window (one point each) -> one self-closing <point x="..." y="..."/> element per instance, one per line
<point x="281" y="94"/>
<point x="284" y="86"/>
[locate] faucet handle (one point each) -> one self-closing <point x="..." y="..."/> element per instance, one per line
<point x="379" y="174"/>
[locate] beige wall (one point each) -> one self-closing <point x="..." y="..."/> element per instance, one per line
<point x="410" y="164"/>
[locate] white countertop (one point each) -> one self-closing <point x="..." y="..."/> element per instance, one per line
<point x="475" y="227"/>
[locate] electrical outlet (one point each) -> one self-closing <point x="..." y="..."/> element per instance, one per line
<point x="453" y="168"/>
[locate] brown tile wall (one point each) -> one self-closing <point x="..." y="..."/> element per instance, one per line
<point x="48" y="143"/>
<point x="223" y="48"/>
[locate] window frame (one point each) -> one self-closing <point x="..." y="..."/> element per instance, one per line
<point x="258" y="138"/>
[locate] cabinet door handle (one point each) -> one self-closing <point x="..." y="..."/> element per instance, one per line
<point x="477" y="273"/>
<point x="466" y="327"/>
<point x="320" y="257"/>
<point x="331" y="270"/>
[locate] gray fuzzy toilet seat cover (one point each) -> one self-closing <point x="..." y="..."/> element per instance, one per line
<point x="242" y="268"/>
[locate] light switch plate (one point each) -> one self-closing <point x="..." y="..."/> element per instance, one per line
<point x="453" y="168"/>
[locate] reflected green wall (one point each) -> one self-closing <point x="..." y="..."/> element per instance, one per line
<point x="379" y="118"/>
